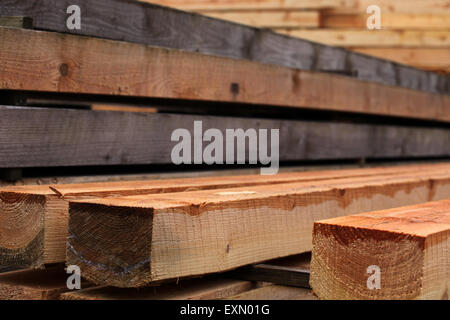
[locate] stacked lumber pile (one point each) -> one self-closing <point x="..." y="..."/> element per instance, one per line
<point x="135" y="234"/>
<point x="415" y="33"/>
<point x="50" y="284"/>
<point x="110" y="96"/>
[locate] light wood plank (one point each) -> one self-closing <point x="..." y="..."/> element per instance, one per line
<point x="271" y="19"/>
<point x="275" y="292"/>
<point x="168" y="174"/>
<point x="16" y="22"/>
<point x="145" y="138"/>
<point x="410" y="6"/>
<point x="133" y="241"/>
<point x="410" y="246"/>
<point x="291" y="271"/>
<point x="34" y="218"/>
<point x="44" y="61"/>
<point x="374" y="38"/>
<point x="195" y="289"/>
<point x="407" y="21"/>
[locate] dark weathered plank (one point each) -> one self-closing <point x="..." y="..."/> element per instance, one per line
<point x="39" y="137"/>
<point x="159" y="26"/>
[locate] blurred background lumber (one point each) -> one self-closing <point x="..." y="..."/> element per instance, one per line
<point x="414" y="32"/>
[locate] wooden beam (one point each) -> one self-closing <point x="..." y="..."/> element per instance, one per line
<point x="170" y="174"/>
<point x="271" y="19"/>
<point x="145" y="138"/>
<point x="373" y="38"/>
<point x="133" y="241"/>
<point x="128" y="21"/>
<point x="275" y="292"/>
<point x="408" y="21"/>
<point x="408" y="246"/>
<point x="121" y="108"/>
<point x="34" y="218"/>
<point x="399" y="6"/>
<point x="210" y="288"/>
<point x="4" y="269"/>
<point x="44" y="284"/>
<point x="207" y="5"/>
<point x="16" y="22"/>
<point x="437" y="60"/>
<point x="160" y="73"/>
<point x="410" y="6"/>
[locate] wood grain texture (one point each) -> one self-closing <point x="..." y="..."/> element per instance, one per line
<point x="133" y="241"/>
<point x="271" y="19"/>
<point x="369" y="38"/>
<point x="4" y="269"/>
<point x="158" y="26"/>
<point x="145" y="138"/>
<point x="34" y="220"/>
<point x="44" y="284"/>
<point x="16" y="22"/>
<point x="116" y="138"/>
<point x="52" y="62"/>
<point x="437" y="60"/>
<point x="400" y="6"/>
<point x="126" y="188"/>
<point x="209" y="288"/>
<point x="411" y="21"/>
<point x="410" y="246"/>
<point x="275" y="292"/>
<point x="206" y="5"/>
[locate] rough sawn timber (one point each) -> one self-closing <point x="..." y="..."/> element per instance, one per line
<point x="409" y="245"/>
<point x="154" y="25"/>
<point x="133" y="241"/>
<point x="33" y="219"/>
<point x="94" y="138"/>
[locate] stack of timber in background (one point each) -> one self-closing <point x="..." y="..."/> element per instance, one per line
<point x="409" y="246"/>
<point x="128" y="21"/>
<point x="415" y="33"/>
<point x="46" y="69"/>
<point x="165" y="232"/>
<point x="112" y="94"/>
